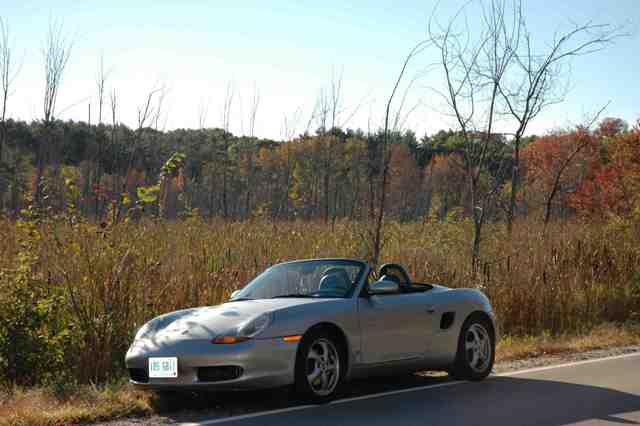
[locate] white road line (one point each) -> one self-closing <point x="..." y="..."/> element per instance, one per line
<point x="304" y="407"/>
<point x="249" y="416"/>
<point x="395" y="392"/>
<point x="569" y="364"/>
<point x="400" y="391"/>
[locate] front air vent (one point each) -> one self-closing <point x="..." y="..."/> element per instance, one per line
<point x="140" y="375"/>
<point x="447" y="320"/>
<point x="219" y="373"/>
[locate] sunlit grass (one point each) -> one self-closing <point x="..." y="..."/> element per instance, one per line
<point x="601" y="337"/>
<point x="563" y="279"/>
<point x="44" y="406"/>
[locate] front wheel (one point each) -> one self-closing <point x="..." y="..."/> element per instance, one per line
<point x="320" y="366"/>
<point x="476" y="350"/>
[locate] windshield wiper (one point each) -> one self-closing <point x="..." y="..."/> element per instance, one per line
<point x="292" y="295"/>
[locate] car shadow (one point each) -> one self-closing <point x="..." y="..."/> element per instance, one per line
<point x="523" y="401"/>
<point x="497" y="401"/>
<point x="185" y="405"/>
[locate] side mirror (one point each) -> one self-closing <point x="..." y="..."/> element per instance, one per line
<point x="234" y="294"/>
<point x="384" y="287"/>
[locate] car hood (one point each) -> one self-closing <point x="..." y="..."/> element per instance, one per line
<point x="211" y="321"/>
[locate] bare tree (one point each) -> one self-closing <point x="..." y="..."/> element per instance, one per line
<point x="336" y="97"/>
<point x="582" y="142"/>
<point x="113" y="105"/>
<point x="377" y="228"/>
<point x="147" y="113"/>
<point x="229" y="96"/>
<point x="253" y="112"/>
<point x="150" y="108"/>
<point x="56" y="53"/>
<point x="290" y="124"/>
<point x="288" y="131"/>
<point x="8" y="73"/>
<point x="472" y="75"/>
<point x="203" y="113"/>
<point x="226" y="120"/>
<point x="535" y="78"/>
<point x="557" y="176"/>
<point x="331" y="111"/>
<point x="321" y="110"/>
<point x="493" y="74"/>
<point x="99" y="132"/>
<point x="101" y="79"/>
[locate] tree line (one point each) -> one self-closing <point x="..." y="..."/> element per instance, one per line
<point x="495" y="73"/>
<point x="111" y="173"/>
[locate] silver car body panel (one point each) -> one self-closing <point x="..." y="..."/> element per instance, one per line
<point x="383" y="333"/>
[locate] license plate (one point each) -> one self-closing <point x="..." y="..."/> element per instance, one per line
<point x="163" y="367"/>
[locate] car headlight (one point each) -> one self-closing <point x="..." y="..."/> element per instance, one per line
<point x="246" y="330"/>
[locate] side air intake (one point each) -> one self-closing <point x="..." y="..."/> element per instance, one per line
<point x="447" y="320"/>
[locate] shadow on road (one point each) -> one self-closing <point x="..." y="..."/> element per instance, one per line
<point x="496" y="401"/>
<point x="520" y="401"/>
<point x="186" y="406"/>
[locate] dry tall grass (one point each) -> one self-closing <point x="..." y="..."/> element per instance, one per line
<point x="567" y="278"/>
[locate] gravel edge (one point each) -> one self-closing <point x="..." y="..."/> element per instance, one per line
<point x="548" y="360"/>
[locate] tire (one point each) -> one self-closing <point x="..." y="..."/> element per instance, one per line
<point x="476" y="350"/>
<point x="320" y="366"/>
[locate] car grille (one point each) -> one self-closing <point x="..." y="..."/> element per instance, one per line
<point x="140" y="375"/>
<point x="218" y="374"/>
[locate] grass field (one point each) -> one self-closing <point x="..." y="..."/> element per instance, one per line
<point x="73" y="294"/>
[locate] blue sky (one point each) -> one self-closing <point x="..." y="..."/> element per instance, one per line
<point x="288" y="50"/>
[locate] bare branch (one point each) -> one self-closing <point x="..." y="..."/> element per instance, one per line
<point x="113" y="102"/>
<point x="56" y="53"/>
<point x="8" y="73"/>
<point x="101" y="79"/>
<point x="255" y="101"/>
<point x="290" y="125"/>
<point x="226" y="107"/>
<point x="148" y="110"/>
<point x="590" y="121"/>
<point x="203" y="112"/>
<point x="379" y="220"/>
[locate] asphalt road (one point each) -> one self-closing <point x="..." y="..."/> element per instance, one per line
<point x="585" y="393"/>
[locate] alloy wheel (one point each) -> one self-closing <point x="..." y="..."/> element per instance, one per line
<point x="478" y="348"/>
<point x="323" y="367"/>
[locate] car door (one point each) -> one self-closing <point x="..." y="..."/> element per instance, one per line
<point x="395" y="326"/>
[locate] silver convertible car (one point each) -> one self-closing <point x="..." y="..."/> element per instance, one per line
<point x="315" y="324"/>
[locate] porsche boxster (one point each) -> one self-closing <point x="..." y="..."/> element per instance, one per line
<point x="315" y="324"/>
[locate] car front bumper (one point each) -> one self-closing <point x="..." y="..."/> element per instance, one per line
<point x="263" y="363"/>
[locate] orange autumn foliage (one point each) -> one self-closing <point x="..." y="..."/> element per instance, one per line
<point x="614" y="183"/>
<point x="557" y="164"/>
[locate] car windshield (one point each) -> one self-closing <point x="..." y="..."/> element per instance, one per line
<point x="311" y="278"/>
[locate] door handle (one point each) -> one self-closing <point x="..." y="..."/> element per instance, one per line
<point x="430" y="309"/>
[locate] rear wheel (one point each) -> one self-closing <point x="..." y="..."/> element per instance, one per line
<point x="320" y="366"/>
<point x="476" y="350"/>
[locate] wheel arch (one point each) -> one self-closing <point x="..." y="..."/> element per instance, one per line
<point x="339" y="334"/>
<point x="485" y="316"/>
